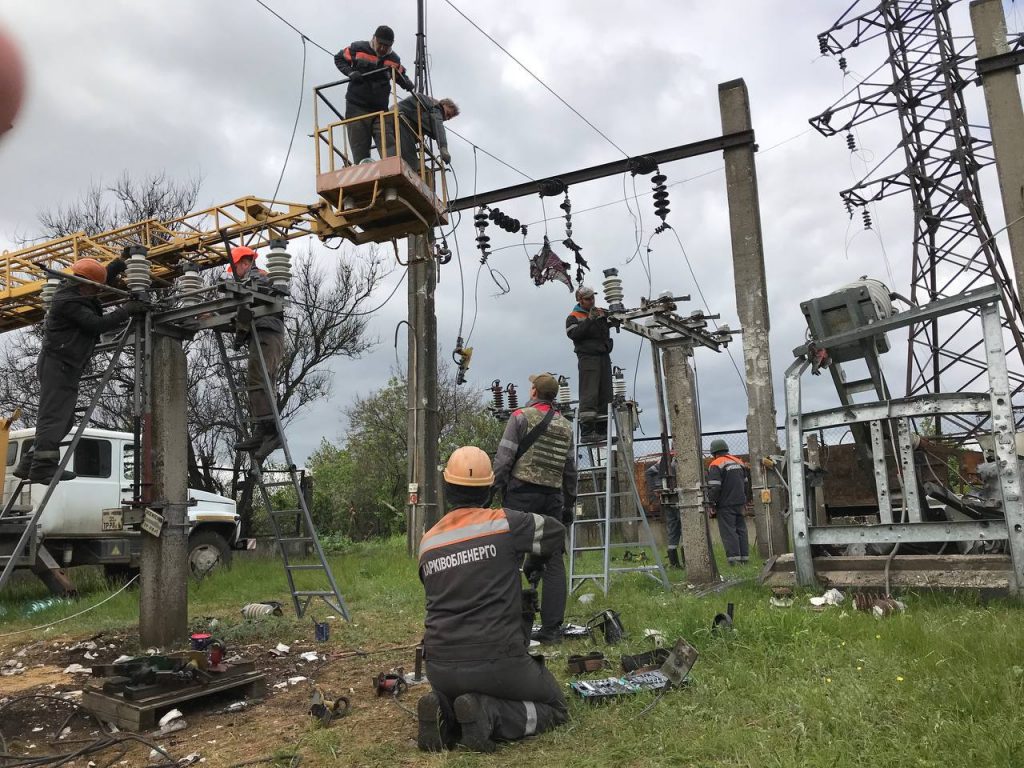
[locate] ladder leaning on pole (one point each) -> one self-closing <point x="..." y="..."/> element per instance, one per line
<point x="294" y="516"/>
<point x="599" y="512"/>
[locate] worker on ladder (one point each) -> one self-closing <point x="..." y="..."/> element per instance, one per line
<point x="74" y="323"/>
<point x="264" y="438"/>
<point x="486" y="687"/>
<point x="588" y="327"/>
<point x="535" y="471"/>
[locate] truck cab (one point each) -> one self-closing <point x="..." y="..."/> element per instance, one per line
<point x="83" y="522"/>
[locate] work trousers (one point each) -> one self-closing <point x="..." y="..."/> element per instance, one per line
<point x="58" y="394"/>
<point x="528" y="497"/>
<point x="595" y="385"/>
<point x="410" y="148"/>
<point x="732" y="525"/>
<point x="272" y="345"/>
<point x="673" y="528"/>
<point x="520" y="696"/>
<point x="360" y="131"/>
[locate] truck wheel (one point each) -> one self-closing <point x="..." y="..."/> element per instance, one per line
<point x="207" y="551"/>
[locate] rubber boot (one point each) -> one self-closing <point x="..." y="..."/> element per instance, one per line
<point x="270" y="443"/>
<point x="437" y="729"/>
<point x="673" y="558"/>
<point x="476" y="723"/>
<point x="24" y="466"/>
<point x="44" y="465"/>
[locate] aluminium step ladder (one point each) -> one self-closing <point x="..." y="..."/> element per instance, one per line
<point x="609" y="509"/>
<point x="292" y="523"/>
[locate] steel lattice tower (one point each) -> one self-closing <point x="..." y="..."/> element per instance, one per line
<point x="954" y="247"/>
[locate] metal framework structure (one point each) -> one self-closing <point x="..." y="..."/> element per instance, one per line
<point x="954" y="249"/>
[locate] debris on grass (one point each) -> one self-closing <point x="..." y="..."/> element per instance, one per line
<point x="831" y="597"/>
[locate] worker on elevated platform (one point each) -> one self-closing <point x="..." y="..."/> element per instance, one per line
<point x="74" y="322"/>
<point x="420" y="113"/>
<point x="729" y="492"/>
<point x="588" y="327"/>
<point x="486" y="686"/>
<point x="535" y="471"/>
<point x="369" y="66"/>
<point x="264" y="438"/>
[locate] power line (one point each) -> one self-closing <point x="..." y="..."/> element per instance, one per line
<point x="295" y="125"/>
<point x="296" y="29"/>
<point x="535" y="77"/>
<point x="476" y="146"/>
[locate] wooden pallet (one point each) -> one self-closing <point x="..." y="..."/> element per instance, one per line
<point x="142" y="713"/>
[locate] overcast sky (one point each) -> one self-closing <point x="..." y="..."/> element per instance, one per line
<point x="194" y="87"/>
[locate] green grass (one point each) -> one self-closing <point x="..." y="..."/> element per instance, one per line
<point x="938" y="686"/>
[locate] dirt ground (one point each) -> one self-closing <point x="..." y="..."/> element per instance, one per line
<point x="45" y="724"/>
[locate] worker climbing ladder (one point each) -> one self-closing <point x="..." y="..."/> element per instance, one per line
<point x="609" y="514"/>
<point x="291" y="524"/>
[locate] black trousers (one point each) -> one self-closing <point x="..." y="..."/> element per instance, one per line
<point x="595" y="386"/>
<point x="58" y="393"/>
<point x="360" y="131"/>
<point x="519" y="694"/>
<point x="272" y="346"/>
<point x="527" y="497"/>
<point x="732" y="525"/>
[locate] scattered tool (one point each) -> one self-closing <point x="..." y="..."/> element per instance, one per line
<point x="392" y="682"/>
<point x="590" y="662"/>
<point x="644" y="662"/>
<point x="327" y="709"/>
<point x="723" y="621"/>
<point x="609" y="624"/>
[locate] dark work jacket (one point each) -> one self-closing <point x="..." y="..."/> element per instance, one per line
<point x="728" y="481"/>
<point x="258" y="280"/>
<point x="590" y="336"/>
<point x="469" y="566"/>
<point x="74" y="323"/>
<point x="429" y="114"/>
<point x="373" y="91"/>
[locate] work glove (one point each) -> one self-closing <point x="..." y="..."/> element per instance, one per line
<point x="115" y="269"/>
<point x="533" y="568"/>
<point x="356" y="76"/>
<point x="134" y="307"/>
<point x="445" y="157"/>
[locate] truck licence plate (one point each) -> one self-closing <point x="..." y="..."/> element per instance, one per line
<point x="112" y="519"/>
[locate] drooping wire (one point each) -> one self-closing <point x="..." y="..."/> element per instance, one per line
<point x="295" y="124"/>
<point x="296" y="29"/>
<point x="535" y="77"/>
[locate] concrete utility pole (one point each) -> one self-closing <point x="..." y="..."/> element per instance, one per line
<point x="752" y="309"/>
<point x="682" y="409"/>
<point x="163" y="595"/>
<point x="1006" y="118"/>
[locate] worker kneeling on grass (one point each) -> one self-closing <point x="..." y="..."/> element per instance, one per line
<point x="486" y="686"/>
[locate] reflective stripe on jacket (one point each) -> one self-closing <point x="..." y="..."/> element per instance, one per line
<point x="728" y="481"/>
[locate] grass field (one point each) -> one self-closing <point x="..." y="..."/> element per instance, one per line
<point x="940" y="685"/>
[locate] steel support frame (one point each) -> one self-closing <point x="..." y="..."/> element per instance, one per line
<point x="996" y="405"/>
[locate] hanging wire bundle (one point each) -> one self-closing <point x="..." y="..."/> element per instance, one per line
<point x="483" y="241"/>
<point x="581" y="263"/>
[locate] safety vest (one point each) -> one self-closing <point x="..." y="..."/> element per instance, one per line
<point x="544" y="461"/>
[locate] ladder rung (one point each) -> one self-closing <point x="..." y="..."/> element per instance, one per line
<point x="588" y="549"/>
<point x="292" y="539"/>
<point x="313" y="593"/>
<point x="306" y="567"/>
<point x="285" y="511"/>
<point x="638" y="568"/>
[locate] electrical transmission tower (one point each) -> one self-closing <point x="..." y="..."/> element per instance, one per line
<point x="954" y="250"/>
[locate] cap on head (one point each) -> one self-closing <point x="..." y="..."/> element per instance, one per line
<point x="545" y="384"/>
<point x="469" y="466"/>
<point x="242" y="252"/>
<point x="385" y="34"/>
<point x="718" y="445"/>
<point x="90" y="269"/>
<point x="585" y="292"/>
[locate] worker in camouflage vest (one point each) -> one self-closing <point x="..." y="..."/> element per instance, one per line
<point x="535" y="471"/>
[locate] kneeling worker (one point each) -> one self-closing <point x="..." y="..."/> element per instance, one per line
<point x="486" y="686"/>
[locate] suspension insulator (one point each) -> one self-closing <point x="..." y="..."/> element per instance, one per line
<point x="823" y="44"/>
<point x="842" y="63"/>
<point x="866" y="215"/>
<point x="513" y="397"/>
<point x="851" y="142"/>
<point x="618" y="383"/>
<point x="849" y="207"/>
<point x="504" y="221"/>
<point x="613" y="292"/>
<point x="279" y="265"/>
<point x="566" y="206"/>
<point x="482" y="239"/>
<point x="138" y="275"/>
<point x="188" y="285"/>
<point x="497" y="396"/>
<point x="49" y="288"/>
<point x="661" y="208"/>
<point x="564" y="394"/>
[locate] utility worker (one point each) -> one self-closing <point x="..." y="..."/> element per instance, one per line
<point x="654" y="476"/>
<point x="535" y="471"/>
<point x="270" y="328"/>
<point x="419" y="111"/>
<point x="729" y="493"/>
<point x="74" y="322"/>
<point x="587" y="326"/>
<point x="368" y="66"/>
<point x="485" y="686"/>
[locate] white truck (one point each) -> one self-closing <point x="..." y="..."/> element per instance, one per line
<point x="83" y="522"/>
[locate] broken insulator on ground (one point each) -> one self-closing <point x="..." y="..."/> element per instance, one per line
<point x="661" y="208"/>
<point x="866" y="216"/>
<point x="513" y="397"/>
<point x="49" y="288"/>
<point x="497" y="396"/>
<point x="851" y="142"/>
<point x="618" y="383"/>
<point x="564" y="394"/>
<point x="189" y="285"/>
<point x="504" y="221"/>
<point x="612" y="287"/>
<point x="138" y="275"/>
<point x="482" y="239"/>
<point x="279" y="265"/>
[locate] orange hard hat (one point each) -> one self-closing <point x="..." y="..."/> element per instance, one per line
<point x="469" y="466"/>
<point x="242" y="252"/>
<point x="90" y="269"/>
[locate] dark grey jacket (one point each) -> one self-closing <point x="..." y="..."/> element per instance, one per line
<point x="431" y="115"/>
<point x="257" y="280"/>
<point x="590" y="335"/>
<point x="73" y="324"/>
<point x="469" y="566"/>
